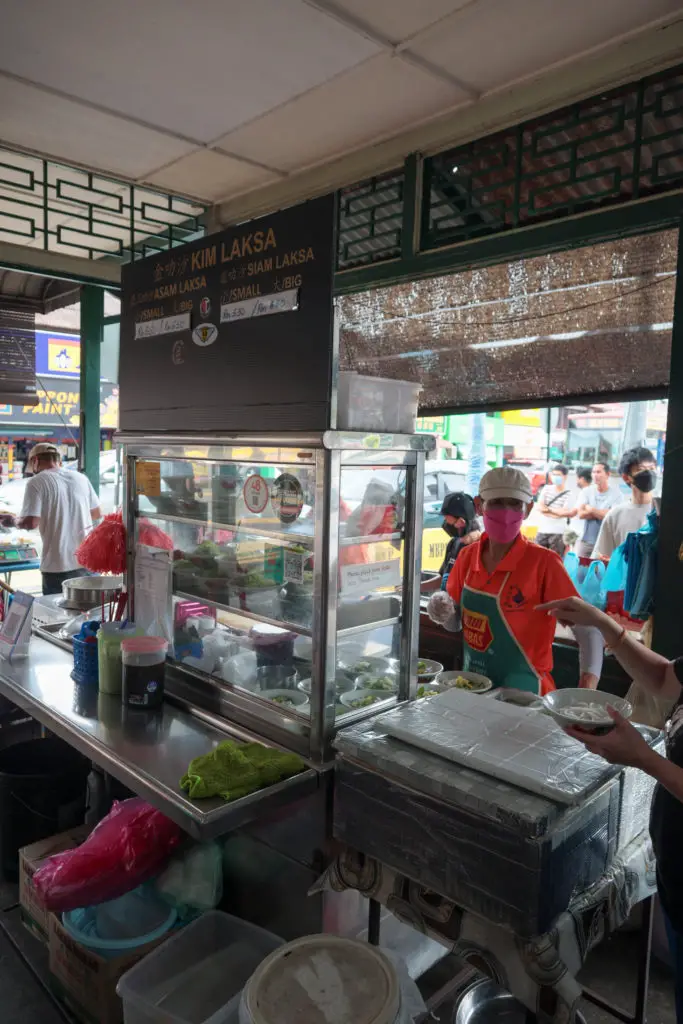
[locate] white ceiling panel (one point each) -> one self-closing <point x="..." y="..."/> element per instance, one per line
<point x="199" y="68"/>
<point x="398" y="19"/>
<point x="378" y="99"/>
<point x="492" y="43"/>
<point x="210" y="175"/>
<point x="48" y="124"/>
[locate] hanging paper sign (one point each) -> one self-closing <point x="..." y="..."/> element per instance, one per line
<point x="263" y="305"/>
<point x="255" y="493"/>
<point x="148" y="478"/>
<point x="359" y="580"/>
<point x="164" y="325"/>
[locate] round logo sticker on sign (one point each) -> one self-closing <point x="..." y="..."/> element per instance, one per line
<point x="255" y="493"/>
<point x="205" y="335"/>
<point x="287" y="498"/>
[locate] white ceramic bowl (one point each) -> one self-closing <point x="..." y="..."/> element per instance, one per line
<point x="481" y="684"/>
<point x="428" y="670"/>
<point x="298" y="699"/>
<point x="593" y="702"/>
<point x="349" y="699"/>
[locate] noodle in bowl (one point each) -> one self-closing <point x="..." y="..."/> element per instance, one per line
<point x="585" y="709"/>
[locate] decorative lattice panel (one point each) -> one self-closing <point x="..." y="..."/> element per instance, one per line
<point x="62" y="209"/>
<point x="370" y="217"/>
<point x="624" y="145"/>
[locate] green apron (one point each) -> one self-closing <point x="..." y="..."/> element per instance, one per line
<point x="490" y="646"/>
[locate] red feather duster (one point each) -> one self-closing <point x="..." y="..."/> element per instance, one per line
<point x="104" y="549"/>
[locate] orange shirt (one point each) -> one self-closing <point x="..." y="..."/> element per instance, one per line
<point x="535" y="575"/>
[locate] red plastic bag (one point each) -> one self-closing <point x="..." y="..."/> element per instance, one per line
<point x="127" y="848"/>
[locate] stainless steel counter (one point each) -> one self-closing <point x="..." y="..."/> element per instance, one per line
<point x="147" y="751"/>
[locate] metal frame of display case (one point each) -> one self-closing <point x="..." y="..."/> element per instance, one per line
<point x="329" y="452"/>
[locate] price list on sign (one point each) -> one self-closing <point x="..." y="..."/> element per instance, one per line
<point x="256" y="493"/>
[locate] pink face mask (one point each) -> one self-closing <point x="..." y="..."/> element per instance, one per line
<point x="503" y="524"/>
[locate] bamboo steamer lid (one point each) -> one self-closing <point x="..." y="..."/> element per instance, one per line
<point x="323" y="979"/>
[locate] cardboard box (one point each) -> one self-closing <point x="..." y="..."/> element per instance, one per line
<point x="84" y="981"/>
<point x="33" y="913"/>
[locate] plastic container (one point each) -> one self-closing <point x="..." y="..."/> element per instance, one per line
<point x="86" y="666"/>
<point x="42" y="792"/>
<point x="197" y="975"/>
<point x="109" y="639"/>
<point x="120" y="926"/>
<point x="144" y="664"/>
<point x="272" y="645"/>
<point x="350" y="982"/>
<point x="376" y="403"/>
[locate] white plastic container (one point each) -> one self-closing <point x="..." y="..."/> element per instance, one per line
<point x="197" y="976"/>
<point x="376" y="403"/>
<point x="323" y="977"/>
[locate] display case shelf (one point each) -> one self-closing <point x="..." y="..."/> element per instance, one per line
<point x="246" y="531"/>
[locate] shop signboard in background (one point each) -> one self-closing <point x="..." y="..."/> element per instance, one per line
<point x="60" y="406"/>
<point x="58" y="355"/>
<point x="233" y="331"/>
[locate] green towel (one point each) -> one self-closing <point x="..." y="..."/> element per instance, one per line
<point x="234" y="770"/>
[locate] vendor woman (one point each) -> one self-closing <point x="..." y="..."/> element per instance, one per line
<point x="494" y="588"/>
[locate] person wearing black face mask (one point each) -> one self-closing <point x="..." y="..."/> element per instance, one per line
<point x="638" y="470"/>
<point x="462" y="526"/>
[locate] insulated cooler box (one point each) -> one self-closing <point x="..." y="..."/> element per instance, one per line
<point x="510" y="856"/>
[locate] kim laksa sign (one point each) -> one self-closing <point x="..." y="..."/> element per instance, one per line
<point x="234" y="331"/>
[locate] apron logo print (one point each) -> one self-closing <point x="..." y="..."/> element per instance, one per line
<point x="476" y="630"/>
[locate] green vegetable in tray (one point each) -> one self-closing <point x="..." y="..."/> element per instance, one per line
<point x="426" y="691"/>
<point x="379" y="683"/>
<point x="423" y="668"/>
<point x="184" y="565"/>
<point x="365" y="702"/>
<point x="207" y="548"/>
<point x="362" y="666"/>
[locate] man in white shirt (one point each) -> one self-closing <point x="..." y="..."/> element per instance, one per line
<point x="557" y="506"/>
<point x="62" y="505"/>
<point x="594" y="504"/>
<point x="639" y="470"/>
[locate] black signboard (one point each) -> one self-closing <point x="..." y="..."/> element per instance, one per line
<point x="17" y="356"/>
<point x="232" y="332"/>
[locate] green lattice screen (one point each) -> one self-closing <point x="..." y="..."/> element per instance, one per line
<point x="370" y="217"/>
<point x="626" y="144"/>
<point x="57" y="208"/>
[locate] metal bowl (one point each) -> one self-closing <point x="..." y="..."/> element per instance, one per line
<point x="85" y="592"/>
<point x="488" y="1003"/>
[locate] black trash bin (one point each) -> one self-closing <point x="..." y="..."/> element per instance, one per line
<point x="42" y="792"/>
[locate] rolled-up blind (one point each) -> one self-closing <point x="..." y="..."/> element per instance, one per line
<point x="595" y="320"/>
<point x="17" y="356"/>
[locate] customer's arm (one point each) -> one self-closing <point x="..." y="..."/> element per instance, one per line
<point x="29" y="517"/>
<point x="625" y="745"/>
<point x="646" y="667"/>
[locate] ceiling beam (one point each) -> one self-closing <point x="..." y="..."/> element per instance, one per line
<point x="649" y="52"/>
<point x="59" y="265"/>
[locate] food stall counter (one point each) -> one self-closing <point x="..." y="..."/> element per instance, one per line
<point x="148" y="752"/>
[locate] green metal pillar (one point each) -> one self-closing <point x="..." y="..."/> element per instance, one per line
<point x="92" y="332"/>
<point x="667" y="618"/>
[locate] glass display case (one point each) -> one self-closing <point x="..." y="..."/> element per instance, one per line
<point x="294" y="599"/>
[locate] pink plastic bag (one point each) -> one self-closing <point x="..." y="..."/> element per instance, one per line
<point x="127" y="848"/>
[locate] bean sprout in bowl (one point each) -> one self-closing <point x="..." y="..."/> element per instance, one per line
<point x="585" y="709"/>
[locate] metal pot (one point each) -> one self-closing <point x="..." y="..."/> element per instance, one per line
<point x="488" y="1003"/>
<point x="84" y="592"/>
